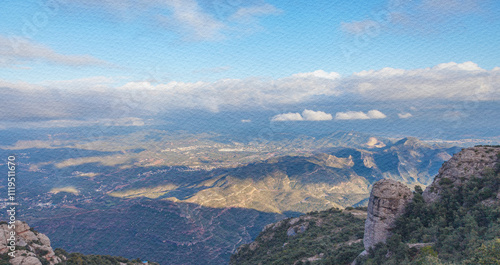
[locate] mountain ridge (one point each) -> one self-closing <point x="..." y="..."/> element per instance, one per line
<point x="460" y="226"/>
<point x="198" y="206"/>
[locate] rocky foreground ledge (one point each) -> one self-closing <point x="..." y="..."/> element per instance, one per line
<point x="31" y="247"/>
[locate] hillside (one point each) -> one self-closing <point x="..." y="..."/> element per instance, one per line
<point x="335" y="177"/>
<point x="459" y="225"/>
<point x="194" y="215"/>
<point x="327" y="237"/>
<point x="457" y="218"/>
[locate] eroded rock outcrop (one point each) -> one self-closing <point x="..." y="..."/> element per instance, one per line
<point x="388" y="200"/>
<point x="31" y="246"/>
<point x="470" y="162"/>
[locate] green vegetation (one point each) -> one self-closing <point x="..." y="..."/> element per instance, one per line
<point x="333" y="237"/>
<point x="4" y="259"/>
<point x="80" y="259"/>
<point x="464" y="226"/>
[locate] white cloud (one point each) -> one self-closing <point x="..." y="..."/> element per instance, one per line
<point x="101" y="97"/>
<point x="375" y="114"/>
<point x="241" y="93"/>
<point x="405" y="115"/>
<point x="311" y="115"/>
<point x="288" y="117"/>
<point x="452" y="66"/>
<point x="459" y="81"/>
<point x="246" y="121"/>
<point x="16" y="50"/>
<point x="359" y="115"/>
<point x="307" y="115"/>
<point x="351" y="115"/>
<point x="318" y="74"/>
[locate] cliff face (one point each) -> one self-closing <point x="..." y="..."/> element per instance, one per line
<point x="31" y="246"/>
<point x="470" y="162"/>
<point x="388" y="200"/>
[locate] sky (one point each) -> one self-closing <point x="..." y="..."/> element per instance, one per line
<point x="74" y="63"/>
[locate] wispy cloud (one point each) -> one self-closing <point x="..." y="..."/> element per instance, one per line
<point x="194" y="20"/>
<point x="188" y="18"/>
<point x="247" y="13"/>
<point x="16" y="50"/>
<point x="123" y="122"/>
<point x="359" y="27"/>
<point x="427" y="16"/>
<point x="453" y="6"/>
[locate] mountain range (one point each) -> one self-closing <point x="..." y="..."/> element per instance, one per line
<point x="199" y="215"/>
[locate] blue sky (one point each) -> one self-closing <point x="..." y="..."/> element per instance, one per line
<point x="287" y="38"/>
<point x="218" y="55"/>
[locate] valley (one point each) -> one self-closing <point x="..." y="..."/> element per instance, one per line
<point x="128" y="188"/>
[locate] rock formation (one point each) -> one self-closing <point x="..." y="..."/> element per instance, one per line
<point x="470" y="162"/>
<point x="31" y="246"/>
<point x="388" y="200"/>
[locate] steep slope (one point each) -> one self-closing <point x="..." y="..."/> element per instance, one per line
<point x="469" y="163"/>
<point x="456" y="220"/>
<point x="459" y="226"/>
<point x="339" y="177"/>
<point x="197" y="216"/>
<point x="408" y="160"/>
<point x="327" y="237"/>
<point x="285" y="184"/>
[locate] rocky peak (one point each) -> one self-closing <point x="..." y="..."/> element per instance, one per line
<point x="411" y="142"/>
<point x="470" y="162"/>
<point x="388" y="200"/>
<point x="31" y="246"/>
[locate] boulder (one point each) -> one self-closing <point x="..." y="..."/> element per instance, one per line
<point x="388" y="200"/>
